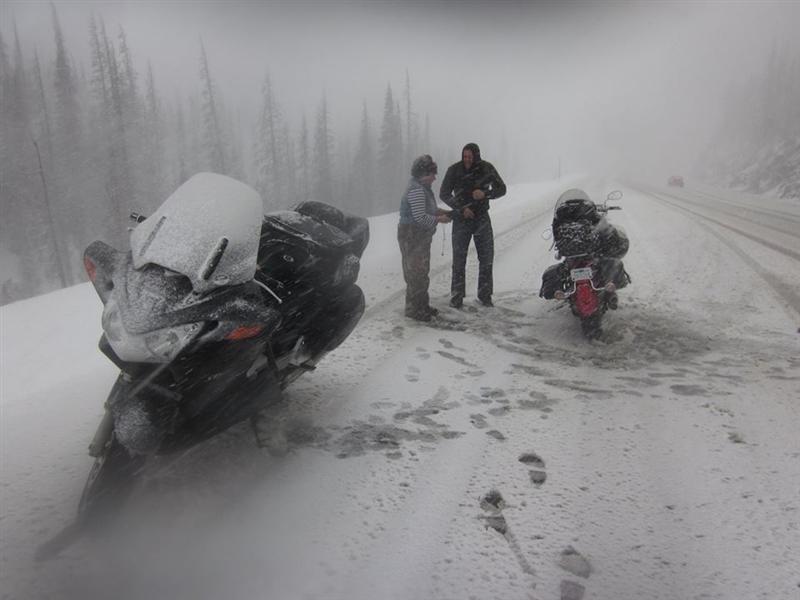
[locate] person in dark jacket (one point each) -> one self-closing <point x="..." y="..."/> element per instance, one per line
<point x="419" y="216"/>
<point x="467" y="188"/>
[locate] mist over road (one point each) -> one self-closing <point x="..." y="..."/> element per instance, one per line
<point x="498" y="454"/>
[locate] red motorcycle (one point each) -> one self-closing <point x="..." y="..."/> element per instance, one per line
<point x="591" y="248"/>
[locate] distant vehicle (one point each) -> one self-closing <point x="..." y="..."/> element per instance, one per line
<point x="675" y="181"/>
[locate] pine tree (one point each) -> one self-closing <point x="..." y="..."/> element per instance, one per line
<point x="292" y="193"/>
<point x="99" y="78"/>
<point x="68" y="149"/>
<point x="270" y="154"/>
<point x="412" y="127"/>
<point x="390" y="156"/>
<point x="154" y="158"/>
<point x="303" y="164"/>
<point x="67" y="111"/>
<point x="182" y="173"/>
<point x="128" y="79"/>
<point x="323" y="183"/>
<point x="364" y="169"/>
<point x="215" y="146"/>
<point x="45" y="172"/>
<point x="119" y="187"/>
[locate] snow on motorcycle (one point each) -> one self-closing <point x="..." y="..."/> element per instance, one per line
<point x="590" y="249"/>
<point x="215" y="309"/>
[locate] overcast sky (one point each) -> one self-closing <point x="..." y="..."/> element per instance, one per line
<point x="602" y="84"/>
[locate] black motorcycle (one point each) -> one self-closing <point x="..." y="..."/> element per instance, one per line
<point x="213" y="312"/>
<point x="591" y="271"/>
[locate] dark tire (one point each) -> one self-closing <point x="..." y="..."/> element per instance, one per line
<point x="110" y="480"/>
<point x="591" y="327"/>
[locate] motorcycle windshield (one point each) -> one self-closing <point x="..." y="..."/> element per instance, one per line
<point x="207" y="230"/>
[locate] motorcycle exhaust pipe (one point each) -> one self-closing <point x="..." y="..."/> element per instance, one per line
<point x="102" y="435"/>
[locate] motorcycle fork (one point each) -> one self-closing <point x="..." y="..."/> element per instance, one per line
<point x="102" y="436"/>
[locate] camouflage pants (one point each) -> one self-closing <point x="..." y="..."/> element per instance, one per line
<point x="415" y="248"/>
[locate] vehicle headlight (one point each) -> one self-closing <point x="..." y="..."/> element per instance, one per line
<point x="166" y="343"/>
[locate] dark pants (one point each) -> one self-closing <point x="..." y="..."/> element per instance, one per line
<point x="415" y="248"/>
<point x="479" y="228"/>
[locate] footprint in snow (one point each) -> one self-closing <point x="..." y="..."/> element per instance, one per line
<point x="493" y="504"/>
<point x="575" y="563"/>
<point x="479" y="421"/>
<point x="538" y="475"/>
<point x="413" y="374"/>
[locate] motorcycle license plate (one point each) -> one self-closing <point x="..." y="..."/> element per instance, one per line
<point x="581" y="274"/>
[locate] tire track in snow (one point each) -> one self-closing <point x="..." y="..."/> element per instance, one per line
<point x="785" y="293"/>
<point x="760" y="240"/>
<point x="782" y="215"/>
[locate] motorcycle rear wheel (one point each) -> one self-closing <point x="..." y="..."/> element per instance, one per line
<point x="591" y="326"/>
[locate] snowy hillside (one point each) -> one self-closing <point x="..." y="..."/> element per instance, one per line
<point x="773" y="170"/>
<point x="497" y="455"/>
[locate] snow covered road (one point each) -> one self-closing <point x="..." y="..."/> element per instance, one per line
<point x="498" y="455"/>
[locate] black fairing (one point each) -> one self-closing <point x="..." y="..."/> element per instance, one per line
<point x="152" y="297"/>
<point x="304" y="289"/>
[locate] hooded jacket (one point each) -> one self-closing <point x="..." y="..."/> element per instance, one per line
<point x="459" y="183"/>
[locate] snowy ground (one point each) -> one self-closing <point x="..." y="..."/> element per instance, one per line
<point x="499" y="455"/>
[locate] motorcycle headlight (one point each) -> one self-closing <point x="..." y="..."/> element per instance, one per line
<point x="166" y="343"/>
<point x="161" y="345"/>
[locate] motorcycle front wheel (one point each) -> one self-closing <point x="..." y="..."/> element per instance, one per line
<point x="110" y="480"/>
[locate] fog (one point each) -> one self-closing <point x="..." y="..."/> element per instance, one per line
<point x="109" y="106"/>
<point x="604" y="85"/>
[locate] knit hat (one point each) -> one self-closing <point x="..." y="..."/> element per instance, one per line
<point x="424" y="165"/>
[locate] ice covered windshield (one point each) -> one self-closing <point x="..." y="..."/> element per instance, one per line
<point x="207" y="230"/>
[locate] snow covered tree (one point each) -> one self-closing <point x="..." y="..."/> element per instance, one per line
<point x="323" y="183"/>
<point x="270" y="150"/>
<point x="364" y="170"/>
<point x="412" y="127"/>
<point x="215" y="145"/>
<point x="390" y="156"/>
<point x="153" y="159"/>
<point x="303" y="164"/>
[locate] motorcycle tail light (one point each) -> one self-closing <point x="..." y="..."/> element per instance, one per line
<point x="91" y="268"/>
<point x="244" y="332"/>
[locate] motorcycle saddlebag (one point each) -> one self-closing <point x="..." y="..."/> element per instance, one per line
<point x="612" y="270"/>
<point x="552" y="280"/>
<point x="612" y="242"/>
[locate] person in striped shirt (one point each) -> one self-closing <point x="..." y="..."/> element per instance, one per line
<point x="419" y="216"/>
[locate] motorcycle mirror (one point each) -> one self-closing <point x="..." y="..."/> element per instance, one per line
<point x="614" y="196"/>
